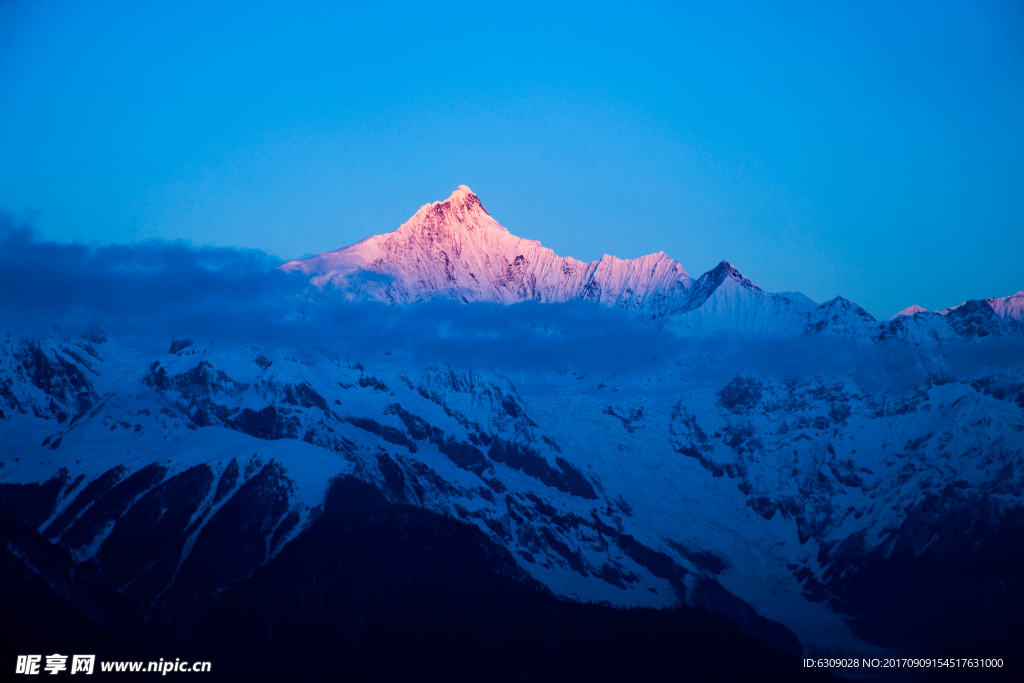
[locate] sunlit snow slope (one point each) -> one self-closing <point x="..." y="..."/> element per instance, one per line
<point x="455" y="249"/>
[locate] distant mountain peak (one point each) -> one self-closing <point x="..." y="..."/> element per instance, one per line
<point x="975" y="318"/>
<point x="841" y="303"/>
<point x="709" y="282"/>
<point x="455" y="249"/>
<point x="461" y="203"/>
<point x="461" y="212"/>
<point x="911" y="310"/>
<point x="1011" y="307"/>
<point x="730" y="271"/>
<point x="840" y="312"/>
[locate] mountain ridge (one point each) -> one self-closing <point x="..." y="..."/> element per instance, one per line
<point x="455" y="249"/>
<point x="754" y="454"/>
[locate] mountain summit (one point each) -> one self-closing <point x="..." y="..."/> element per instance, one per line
<point x="455" y="249"/>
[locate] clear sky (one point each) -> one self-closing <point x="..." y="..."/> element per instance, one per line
<point x="872" y="150"/>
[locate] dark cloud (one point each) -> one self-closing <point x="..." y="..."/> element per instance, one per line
<point x="156" y="291"/>
<point x="149" y="288"/>
<point x="161" y="290"/>
<point x="992" y="355"/>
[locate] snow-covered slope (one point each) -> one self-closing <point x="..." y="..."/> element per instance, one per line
<point x="912" y="310"/>
<point x="1011" y="307"/>
<point x="724" y="300"/>
<point x="455" y="249"/>
<point x="797" y="468"/>
<point x="758" y="494"/>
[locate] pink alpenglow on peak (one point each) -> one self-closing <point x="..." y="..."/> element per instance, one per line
<point x="455" y="249"/>
<point x="911" y="310"/>
<point x="1009" y="306"/>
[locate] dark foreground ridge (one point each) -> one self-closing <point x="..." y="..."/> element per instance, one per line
<point x="371" y="590"/>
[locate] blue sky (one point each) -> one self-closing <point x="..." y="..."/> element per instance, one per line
<point x="872" y="150"/>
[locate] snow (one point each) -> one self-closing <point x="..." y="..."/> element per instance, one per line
<point x="859" y="400"/>
<point x="674" y="499"/>
<point x="800" y="299"/>
<point x="912" y="310"/>
<point x="455" y="249"/>
<point x="1011" y="307"/>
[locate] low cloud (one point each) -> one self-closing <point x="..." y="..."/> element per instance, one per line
<point x="157" y="291"/>
<point x="163" y="290"/>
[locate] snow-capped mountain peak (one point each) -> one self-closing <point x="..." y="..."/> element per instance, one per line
<point x="455" y="249"/>
<point x="839" y="314"/>
<point x="722" y="274"/>
<point x="1009" y="306"/>
<point x="462" y="211"/>
<point x="911" y="310"/>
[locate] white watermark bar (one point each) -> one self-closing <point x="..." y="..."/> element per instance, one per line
<point x="34" y="665"/>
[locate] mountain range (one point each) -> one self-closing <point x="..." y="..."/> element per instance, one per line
<point x="818" y="480"/>
<point x="455" y="249"/>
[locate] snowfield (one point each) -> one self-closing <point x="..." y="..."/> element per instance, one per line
<point x="794" y="467"/>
